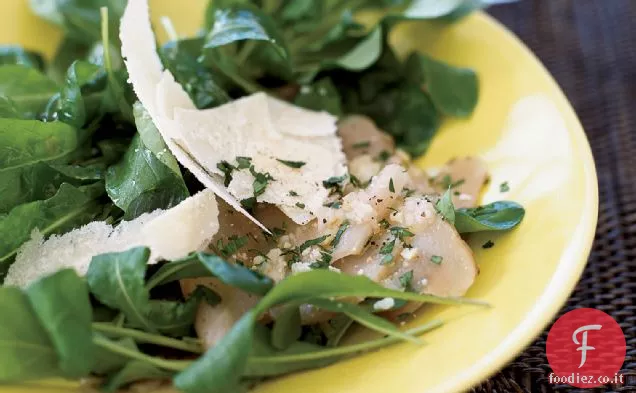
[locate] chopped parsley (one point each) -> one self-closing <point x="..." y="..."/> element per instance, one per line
<point x="293" y="193"/>
<point x="234" y="243"/>
<point x="243" y="162"/>
<point x="384" y="155"/>
<point x="227" y="169"/>
<point x="408" y="192"/>
<point x="334" y="181"/>
<point x="447" y="182"/>
<point x="292" y="164"/>
<point x="405" y="280"/>
<point x="384" y="224"/>
<point x="387" y="248"/>
<point x="401" y="233"/>
<point x="311" y="242"/>
<point x="504" y="187"/>
<point x="333" y="205"/>
<point x="445" y="207"/>
<point x="323" y="262"/>
<point x="248" y="203"/>
<point x="391" y="186"/>
<point x="436" y="259"/>
<point x="356" y="182"/>
<point x="300" y="205"/>
<point x="260" y="181"/>
<point x="361" y="145"/>
<point x="488" y="244"/>
<point x="343" y="227"/>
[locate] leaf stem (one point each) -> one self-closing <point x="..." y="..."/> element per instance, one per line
<point x="149" y="338"/>
<point x="345" y="350"/>
<point x="174" y="365"/>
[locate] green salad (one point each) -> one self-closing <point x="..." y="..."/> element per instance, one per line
<point x="225" y="208"/>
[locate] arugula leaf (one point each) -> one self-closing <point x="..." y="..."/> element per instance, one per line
<point x="25" y="142"/>
<point x="337" y="327"/>
<point x="262" y="348"/>
<point x="117" y="280"/>
<point x="445" y="207"/>
<point x="27" y="88"/>
<point x="222" y="366"/>
<point x="287" y="327"/>
<point x="151" y="138"/>
<point x="30" y="183"/>
<point x="72" y="109"/>
<point x="496" y="216"/>
<point x="240" y="22"/>
<point x="453" y="90"/>
<point x="205" y="88"/>
<point x="141" y="183"/>
<point x="364" y="318"/>
<point x="174" y="318"/>
<point x="62" y="306"/>
<point x="13" y="54"/>
<point x="27" y="351"/>
<point x="219" y="370"/>
<point x="320" y="96"/>
<point x="207" y="265"/>
<point x="107" y="362"/>
<point x="135" y="370"/>
<point x="80" y="19"/>
<point x="68" y="208"/>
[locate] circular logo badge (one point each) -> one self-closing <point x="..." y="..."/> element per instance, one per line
<point x="586" y="348"/>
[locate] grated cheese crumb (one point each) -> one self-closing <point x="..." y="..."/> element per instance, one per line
<point x="385" y="304"/>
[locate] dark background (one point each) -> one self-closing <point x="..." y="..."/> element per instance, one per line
<point x="589" y="46"/>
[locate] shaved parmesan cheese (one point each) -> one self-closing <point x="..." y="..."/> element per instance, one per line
<point x="170" y="234"/>
<point x="262" y="128"/>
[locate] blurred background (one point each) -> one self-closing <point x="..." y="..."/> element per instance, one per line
<point x="589" y="46"/>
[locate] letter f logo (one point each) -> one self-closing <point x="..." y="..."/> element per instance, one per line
<point x="584" y="347"/>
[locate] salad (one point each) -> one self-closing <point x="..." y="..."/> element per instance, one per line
<point x="223" y="209"/>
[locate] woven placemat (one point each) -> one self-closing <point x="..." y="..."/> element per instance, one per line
<point x="589" y="46"/>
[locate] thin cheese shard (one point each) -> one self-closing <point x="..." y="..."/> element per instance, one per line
<point x="170" y="234"/>
<point x="263" y="128"/>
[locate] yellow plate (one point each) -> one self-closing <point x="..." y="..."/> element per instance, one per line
<point x="541" y="151"/>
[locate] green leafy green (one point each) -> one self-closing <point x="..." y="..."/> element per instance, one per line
<point x="25" y="142"/>
<point x="107" y="362"/>
<point x="221" y="367"/>
<point x="80" y="19"/>
<point x="205" y="87"/>
<point x="287" y="327"/>
<point x="239" y="22"/>
<point x="453" y="90"/>
<point x="13" y="54"/>
<point x="134" y="371"/>
<point x="320" y="96"/>
<point x="28" y="90"/>
<point x="27" y="350"/>
<point x="30" y="183"/>
<point x="151" y="138"/>
<point x="206" y="265"/>
<point x="142" y="181"/>
<point x="496" y="216"/>
<point x="62" y="306"/>
<point x="68" y="208"/>
<point x="72" y="108"/>
<point x="117" y="280"/>
<point x="445" y="207"/>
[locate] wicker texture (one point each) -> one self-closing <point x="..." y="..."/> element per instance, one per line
<point x="589" y="46"/>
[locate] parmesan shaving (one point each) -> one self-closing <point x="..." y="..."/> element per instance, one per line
<point x="170" y="234"/>
<point x="259" y="127"/>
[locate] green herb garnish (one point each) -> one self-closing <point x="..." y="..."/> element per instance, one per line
<point x="293" y="193"/>
<point x="300" y="205"/>
<point x="312" y="242"/>
<point x="334" y="204"/>
<point x="292" y="164"/>
<point x="341" y="230"/>
<point x="383" y="156"/>
<point x="361" y="145"/>
<point x="504" y="187"/>
<point x="391" y="187"/>
<point x="243" y="162"/>
<point x="405" y="280"/>
<point x="445" y="207"/>
<point x="436" y="259"/>
<point x="488" y="244"/>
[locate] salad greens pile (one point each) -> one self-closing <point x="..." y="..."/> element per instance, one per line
<point x="76" y="147"/>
